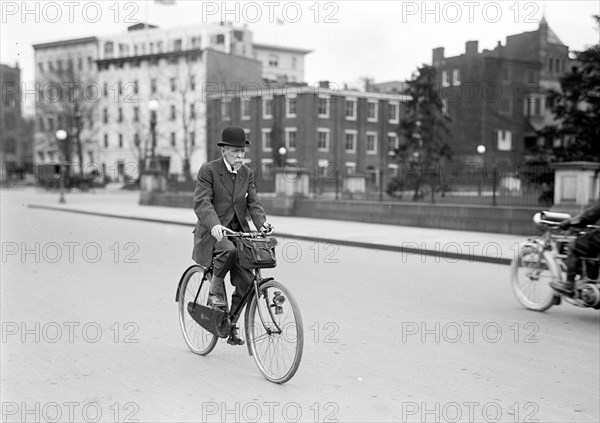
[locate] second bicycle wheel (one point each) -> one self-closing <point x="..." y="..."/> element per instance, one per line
<point x="274" y="332"/>
<point x="194" y="288"/>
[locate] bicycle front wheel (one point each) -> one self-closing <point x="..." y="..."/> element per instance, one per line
<point x="195" y="288"/>
<point x="531" y="274"/>
<point x="274" y="332"/>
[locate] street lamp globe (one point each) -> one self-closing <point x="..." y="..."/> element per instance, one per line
<point x="282" y="151"/>
<point x="481" y="149"/>
<point x="61" y="135"/>
<point x="153" y="105"/>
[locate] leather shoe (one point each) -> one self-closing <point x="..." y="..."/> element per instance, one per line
<point x="234" y="339"/>
<point x="563" y="287"/>
<point x="217" y="300"/>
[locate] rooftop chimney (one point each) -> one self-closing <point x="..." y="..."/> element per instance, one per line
<point x="472" y="48"/>
<point x="438" y="56"/>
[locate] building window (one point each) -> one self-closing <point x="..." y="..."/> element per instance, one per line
<point x="192" y="138"/>
<point x="267" y="168"/>
<point x="394" y="112"/>
<point x="245" y="109"/>
<point x="445" y="82"/>
<point x="193" y="82"/>
<point x="266" y="139"/>
<point x="392" y="170"/>
<point x="192" y="111"/>
<point x="294" y="62"/>
<point x="267" y="104"/>
<point x="393" y="142"/>
<point x="173" y="139"/>
<point x="323" y="107"/>
<point x="372" y="111"/>
<point x="173" y="113"/>
<point x="534" y="106"/>
<point x="505" y="105"/>
<point x="220" y="39"/>
<point x="371" y="142"/>
<point x="273" y="60"/>
<point x="105" y="140"/>
<point x="226" y="110"/>
<point x="350" y="109"/>
<point x="350" y="141"/>
<point x="120" y="88"/>
<point x="247" y="131"/>
<point x="105" y="115"/>
<point x="290" y="107"/>
<point x="159" y="46"/>
<point x="136" y="139"/>
<point x="120" y="118"/>
<point x="136" y="114"/>
<point x="41" y="67"/>
<point x="504" y="140"/>
<point x="120" y="140"/>
<point x="290" y="138"/>
<point x="177" y="44"/>
<point x="350" y="168"/>
<point x="136" y="86"/>
<point x="323" y="139"/>
<point x="153" y="86"/>
<point x="455" y="77"/>
<point x="173" y="84"/>
<point x="506" y="74"/>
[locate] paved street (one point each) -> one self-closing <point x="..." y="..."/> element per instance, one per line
<point x="90" y="331"/>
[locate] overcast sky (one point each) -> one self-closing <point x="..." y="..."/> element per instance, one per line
<point x="385" y="40"/>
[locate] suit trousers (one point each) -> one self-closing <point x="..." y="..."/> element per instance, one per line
<point x="587" y="245"/>
<point x="225" y="259"/>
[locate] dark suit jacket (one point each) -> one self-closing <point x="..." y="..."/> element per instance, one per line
<point x="216" y="201"/>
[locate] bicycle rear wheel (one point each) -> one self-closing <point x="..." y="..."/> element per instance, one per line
<point x="276" y="340"/>
<point x="531" y="274"/>
<point x="199" y="340"/>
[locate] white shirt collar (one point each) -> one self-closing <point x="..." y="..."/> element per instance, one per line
<point x="229" y="167"/>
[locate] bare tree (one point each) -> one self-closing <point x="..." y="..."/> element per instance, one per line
<point x="68" y="99"/>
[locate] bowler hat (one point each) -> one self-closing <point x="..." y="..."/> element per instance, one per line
<point x="233" y="136"/>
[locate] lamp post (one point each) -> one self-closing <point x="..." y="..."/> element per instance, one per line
<point x="481" y="150"/>
<point x="282" y="152"/>
<point x="61" y="135"/>
<point x="153" y="107"/>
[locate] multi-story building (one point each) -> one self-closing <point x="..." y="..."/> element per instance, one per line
<point x="177" y="67"/>
<point x="66" y="82"/>
<point x="16" y="149"/>
<point x="282" y="64"/>
<point x="325" y="131"/>
<point x="497" y="98"/>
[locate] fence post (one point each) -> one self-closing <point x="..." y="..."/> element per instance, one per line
<point x="494" y="182"/>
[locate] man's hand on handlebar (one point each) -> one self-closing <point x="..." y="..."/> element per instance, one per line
<point x="217" y="232"/>
<point x="565" y="224"/>
<point x="267" y="228"/>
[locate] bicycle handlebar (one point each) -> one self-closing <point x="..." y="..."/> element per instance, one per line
<point x="233" y="234"/>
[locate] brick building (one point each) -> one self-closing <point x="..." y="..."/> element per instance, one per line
<point x="16" y="141"/>
<point x="325" y="131"/>
<point x="497" y="98"/>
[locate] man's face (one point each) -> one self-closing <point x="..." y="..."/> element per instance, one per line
<point x="234" y="156"/>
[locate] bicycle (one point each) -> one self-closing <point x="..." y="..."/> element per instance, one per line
<point x="273" y="324"/>
<point x="541" y="260"/>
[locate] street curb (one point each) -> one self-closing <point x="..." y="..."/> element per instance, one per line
<point x="358" y="244"/>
